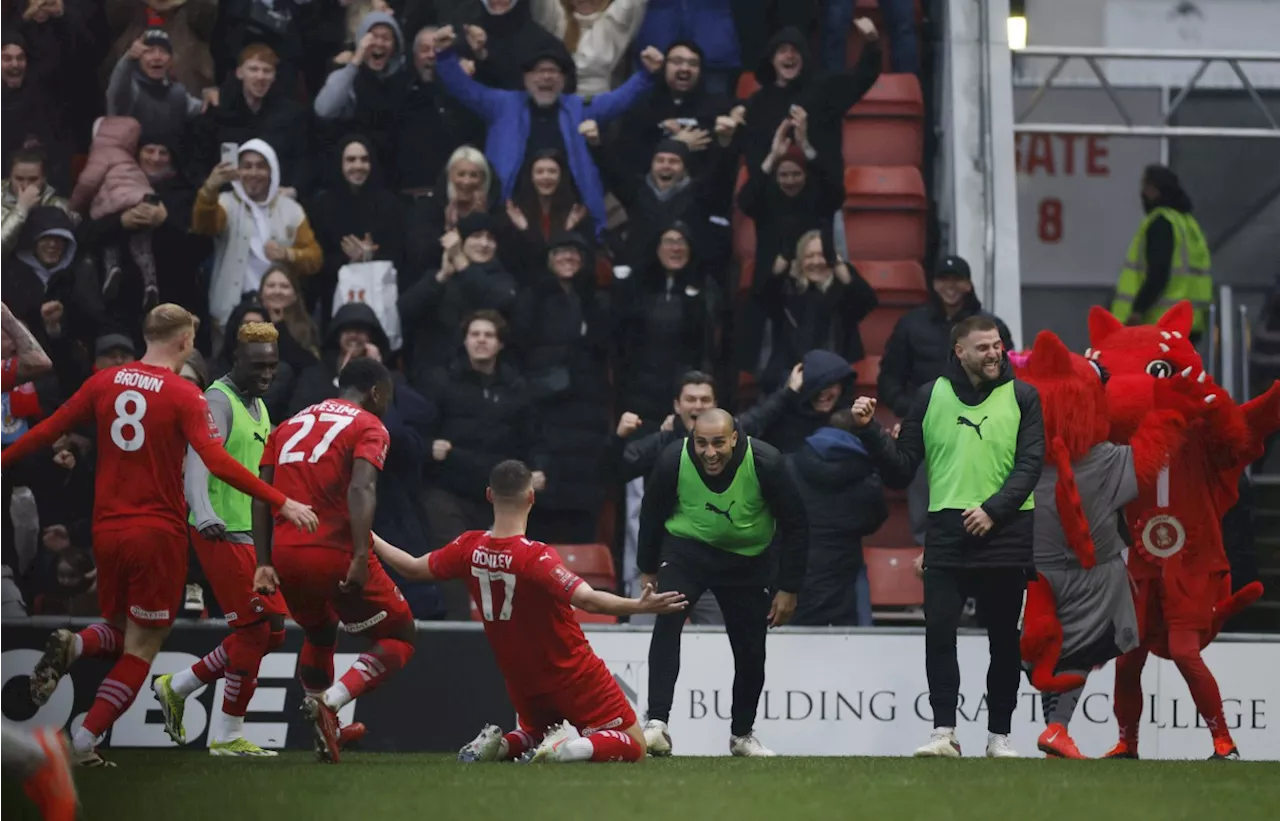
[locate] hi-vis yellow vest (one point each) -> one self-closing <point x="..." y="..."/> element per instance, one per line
<point x="1188" y="274"/>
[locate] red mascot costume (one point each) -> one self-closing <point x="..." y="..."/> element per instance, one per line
<point x="1079" y="612"/>
<point x="1182" y="583"/>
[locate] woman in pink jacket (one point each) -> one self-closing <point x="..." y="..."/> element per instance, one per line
<point x="112" y="182"/>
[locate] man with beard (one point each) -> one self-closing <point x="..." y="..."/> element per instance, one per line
<point x="543" y="115"/>
<point x="141" y="88"/>
<point x="981" y="436"/>
<point x="711" y="509"/>
<point x="1168" y="259"/>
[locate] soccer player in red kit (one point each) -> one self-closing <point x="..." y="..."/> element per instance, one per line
<point x="146" y="416"/>
<point x="524" y="593"/>
<point x="330" y="455"/>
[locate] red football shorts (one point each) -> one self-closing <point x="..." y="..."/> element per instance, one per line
<point x="229" y="568"/>
<point x="142" y="573"/>
<point x="592" y="702"/>
<point x="309" y="578"/>
<point x="1179" y="601"/>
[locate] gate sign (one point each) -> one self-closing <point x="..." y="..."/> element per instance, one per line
<point x="1078" y="204"/>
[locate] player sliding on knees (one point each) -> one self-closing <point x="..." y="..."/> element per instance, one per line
<point x="330" y="454"/>
<point x="146" y="415"/>
<point x="524" y="593"/>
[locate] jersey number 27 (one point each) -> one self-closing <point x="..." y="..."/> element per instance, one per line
<point x="306" y="422"/>
<point x="489" y="578"/>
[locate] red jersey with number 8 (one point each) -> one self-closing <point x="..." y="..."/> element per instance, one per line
<point x="313" y="452"/>
<point x="522" y="591"/>
<point x="146" y="415"/>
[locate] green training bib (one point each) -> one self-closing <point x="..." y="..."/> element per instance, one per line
<point x="245" y="444"/>
<point x="737" y="520"/>
<point x="969" y="449"/>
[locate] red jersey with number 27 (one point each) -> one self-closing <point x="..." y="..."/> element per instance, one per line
<point x="146" y="416"/>
<point x="522" y="590"/>
<point x="313" y="452"/>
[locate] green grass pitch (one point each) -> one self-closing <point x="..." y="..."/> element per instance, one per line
<point x="188" y="786"/>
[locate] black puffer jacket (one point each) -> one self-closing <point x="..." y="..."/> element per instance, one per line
<point x="320" y="381"/>
<point x="486" y="418"/>
<point x="563" y="340"/>
<point x="800" y="420"/>
<point x="845" y="501"/>
<point x="919" y="349"/>
<point x="947" y="544"/>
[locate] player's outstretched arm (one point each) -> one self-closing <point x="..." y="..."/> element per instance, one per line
<point x="77" y="411"/>
<point x="585" y="597"/>
<point x="414" y="568"/>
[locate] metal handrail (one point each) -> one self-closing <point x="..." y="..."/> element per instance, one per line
<point x="1227" y="314"/>
<point x="1091" y="56"/>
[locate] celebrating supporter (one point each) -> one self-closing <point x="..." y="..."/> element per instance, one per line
<point x="709" y="25"/>
<point x="597" y="34"/>
<point x="48" y="283"/>
<point x="500" y="35"/>
<point x="141" y="88"/>
<point x="545" y="204"/>
<point x="353" y="332"/>
<point x="26" y="188"/>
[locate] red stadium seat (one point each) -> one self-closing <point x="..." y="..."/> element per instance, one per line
<point x="748" y="389"/>
<point x="746" y="276"/>
<point x="893" y="578"/>
<point x="885" y="212"/>
<point x="898" y="283"/>
<point x="886" y="127"/>
<point x="868" y="371"/>
<point x="744" y="237"/>
<point x="593" y="562"/>
<point x="896" y="530"/>
<point x="747" y="85"/>
<point x="877" y="327"/>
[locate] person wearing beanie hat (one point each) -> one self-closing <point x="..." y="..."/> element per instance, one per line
<point x="140" y="87"/>
<point x="499" y="36"/>
<point x="543" y="115"/>
<point x="470" y="278"/>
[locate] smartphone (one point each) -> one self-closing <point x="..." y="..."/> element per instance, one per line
<point x="230" y="154"/>
<point x="151" y="199"/>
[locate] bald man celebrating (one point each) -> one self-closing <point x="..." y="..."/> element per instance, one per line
<point x="711" y="509"/>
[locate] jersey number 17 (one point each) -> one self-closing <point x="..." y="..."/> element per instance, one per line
<point x="489" y="578"/>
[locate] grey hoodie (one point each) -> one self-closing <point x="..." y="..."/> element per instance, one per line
<point x="161" y="106"/>
<point x="337" y="100"/>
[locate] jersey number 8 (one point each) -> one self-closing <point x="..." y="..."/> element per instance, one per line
<point x="126" y="431"/>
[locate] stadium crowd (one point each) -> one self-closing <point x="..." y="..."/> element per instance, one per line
<point x="523" y="206"/>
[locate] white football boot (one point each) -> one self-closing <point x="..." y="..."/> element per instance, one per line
<point x="748" y="746"/>
<point x="942" y="744"/>
<point x="484" y="747"/>
<point x="656" y="738"/>
<point x="999" y="746"/>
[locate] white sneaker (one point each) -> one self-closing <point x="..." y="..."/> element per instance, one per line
<point x="749" y="746"/>
<point x="656" y="738"/>
<point x="193" y="598"/>
<point x="999" y="746"/>
<point x="483" y="747"/>
<point x="942" y="744"/>
<point x="548" y="751"/>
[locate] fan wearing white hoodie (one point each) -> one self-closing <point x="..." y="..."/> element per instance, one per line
<point x="597" y="33"/>
<point x="253" y="225"/>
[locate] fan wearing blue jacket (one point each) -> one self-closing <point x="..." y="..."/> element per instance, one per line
<point x="543" y="116"/>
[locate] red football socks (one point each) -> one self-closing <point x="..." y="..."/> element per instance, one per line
<point x="1184" y="651"/>
<point x="1128" y="695"/>
<point x="116" y="693"/>
<point x="315" y="667"/>
<point x="519" y="742"/>
<point x="102" y="640"/>
<point x="211" y="667"/>
<point x="614" y="745"/>
<point x="245" y="648"/>
<point x="384" y="659"/>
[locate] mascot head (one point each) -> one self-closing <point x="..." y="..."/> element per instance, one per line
<point x="1072" y="395"/>
<point x="1136" y="357"/>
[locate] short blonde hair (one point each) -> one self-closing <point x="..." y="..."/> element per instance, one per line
<point x="168" y="320"/>
<point x="471" y="154"/>
<point x="264" y="332"/>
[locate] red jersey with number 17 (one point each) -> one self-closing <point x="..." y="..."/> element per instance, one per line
<point x="313" y="452"/>
<point x="146" y="416"/>
<point x="522" y="590"/>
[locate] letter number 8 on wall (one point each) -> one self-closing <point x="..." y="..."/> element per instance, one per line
<point x="126" y="431"/>
<point x="1050" y="220"/>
